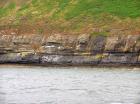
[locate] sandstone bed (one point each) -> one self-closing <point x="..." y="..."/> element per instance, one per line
<point x="83" y="49"/>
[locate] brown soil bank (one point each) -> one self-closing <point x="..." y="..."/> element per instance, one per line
<point x="58" y="49"/>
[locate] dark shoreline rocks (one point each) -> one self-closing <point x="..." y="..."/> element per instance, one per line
<point x="64" y="50"/>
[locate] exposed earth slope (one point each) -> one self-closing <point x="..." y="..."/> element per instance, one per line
<point x="106" y="16"/>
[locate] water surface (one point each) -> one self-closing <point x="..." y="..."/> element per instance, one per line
<point x="69" y="85"/>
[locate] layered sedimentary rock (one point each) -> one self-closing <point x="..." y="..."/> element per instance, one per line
<point x="60" y="49"/>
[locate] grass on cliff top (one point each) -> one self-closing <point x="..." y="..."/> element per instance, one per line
<point x="73" y="8"/>
<point x="75" y="12"/>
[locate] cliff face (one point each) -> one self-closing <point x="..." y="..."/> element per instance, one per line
<point x="82" y="49"/>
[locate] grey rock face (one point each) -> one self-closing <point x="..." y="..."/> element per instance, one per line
<point x="131" y="43"/>
<point x="97" y="44"/>
<point x="5" y="39"/>
<point x="56" y="38"/>
<point x="85" y="60"/>
<point x="120" y="58"/>
<point x="52" y="48"/>
<point x="72" y="60"/>
<point x="82" y="42"/>
<point x="68" y="49"/>
<point x="51" y="59"/>
<point x="10" y="58"/>
<point x="139" y="59"/>
<point x="111" y="43"/>
<point x="31" y="58"/>
<point x="137" y="45"/>
<point x="20" y="40"/>
<point x="115" y="44"/>
<point x="6" y="49"/>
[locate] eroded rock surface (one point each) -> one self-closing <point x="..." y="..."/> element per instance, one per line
<point x="70" y="49"/>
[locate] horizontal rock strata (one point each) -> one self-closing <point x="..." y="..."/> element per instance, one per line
<point x="81" y="49"/>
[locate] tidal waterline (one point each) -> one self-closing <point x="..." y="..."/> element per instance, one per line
<point x="69" y="85"/>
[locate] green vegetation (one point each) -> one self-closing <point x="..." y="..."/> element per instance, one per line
<point x="69" y="13"/>
<point x="5" y="10"/>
